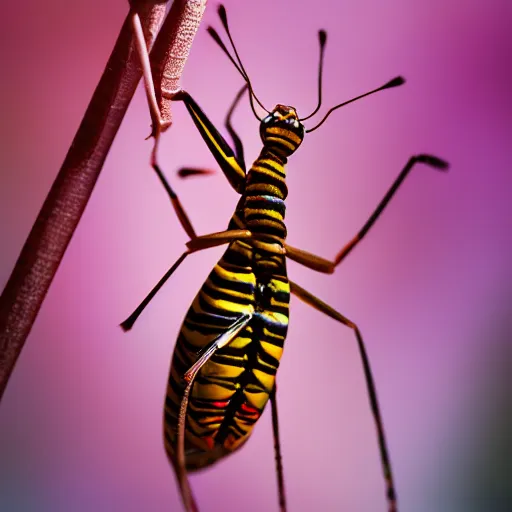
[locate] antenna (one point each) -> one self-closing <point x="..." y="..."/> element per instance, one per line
<point x="322" y="38"/>
<point x="392" y="83"/>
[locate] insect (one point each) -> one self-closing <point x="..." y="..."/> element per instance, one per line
<point x="227" y="353"/>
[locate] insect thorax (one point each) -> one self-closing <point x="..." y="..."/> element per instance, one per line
<point x="265" y="193"/>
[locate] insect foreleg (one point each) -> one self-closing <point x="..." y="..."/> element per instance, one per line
<point x="321" y="306"/>
<point x="327" y="267"/>
<point x="185" y="172"/>
<point x="231" y="166"/>
<point x="158" y="124"/>
<point x="277" y="452"/>
<point x="189" y="376"/>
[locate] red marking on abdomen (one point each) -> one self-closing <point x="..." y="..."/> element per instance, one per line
<point x="220" y="405"/>
<point x="249" y="409"/>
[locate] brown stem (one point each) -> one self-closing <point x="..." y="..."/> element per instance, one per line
<point x="45" y="246"/>
<point x="171" y="51"/>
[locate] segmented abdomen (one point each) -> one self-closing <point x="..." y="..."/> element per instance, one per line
<point x="233" y="387"/>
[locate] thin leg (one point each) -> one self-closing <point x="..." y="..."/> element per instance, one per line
<point x="128" y="323"/>
<point x="197" y="244"/>
<point x="231" y="166"/>
<point x="277" y="451"/>
<point x="157" y="123"/>
<point x="319" y="305"/>
<point x="433" y="161"/>
<point x="176" y="203"/>
<point x="239" y="148"/>
<point x="185" y="172"/>
<point x="214" y="239"/>
<point x="180" y="466"/>
<point x="322" y="265"/>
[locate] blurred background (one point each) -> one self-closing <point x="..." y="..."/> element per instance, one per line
<point x="430" y="287"/>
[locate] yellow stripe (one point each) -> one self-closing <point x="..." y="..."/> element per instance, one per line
<point x="285" y="133"/>
<point x="266" y="171"/>
<point x="240" y="342"/>
<point x="213" y="369"/>
<point x="230" y="160"/>
<point x="270" y="334"/>
<point x="280" y="286"/>
<point x="272" y="163"/>
<point x="257" y="400"/>
<point x="275" y="317"/>
<point x="265" y="364"/>
<point x="281" y="141"/>
<point x="235" y="276"/>
<point x="227" y="291"/>
<point x="270" y="213"/>
<point x="265" y="187"/>
<point x="274" y="302"/>
<point x="226" y="305"/>
<point x="211" y="391"/>
<point x="272" y="350"/>
<point x="266" y="380"/>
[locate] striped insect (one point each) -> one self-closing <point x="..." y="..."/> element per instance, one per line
<point x="227" y="353"/>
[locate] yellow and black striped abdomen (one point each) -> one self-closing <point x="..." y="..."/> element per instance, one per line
<point x="232" y="388"/>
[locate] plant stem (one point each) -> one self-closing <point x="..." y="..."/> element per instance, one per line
<point x="59" y="216"/>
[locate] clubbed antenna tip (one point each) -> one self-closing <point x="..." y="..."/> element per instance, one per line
<point x="399" y="80"/>
<point x="222" y="14"/>
<point x="433" y="161"/>
<point x="214" y="34"/>
<point x="127" y="324"/>
<point x="322" y="37"/>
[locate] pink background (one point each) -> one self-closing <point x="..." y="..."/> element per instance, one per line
<point x="80" y="424"/>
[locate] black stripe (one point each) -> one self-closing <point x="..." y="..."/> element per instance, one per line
<point x="219" y="294"/>
<point x="237" y="259"/>
<point x="268" y="359"/>
<point x="237" y="286"/>
<point x="283" y="137"/>
<point x="223" y="382"/>
<point x="237" y="431"/>
<point x="262" y="204"/>
<point x="251" y="217"/>
<point x="210" y="308"/>
<point x="256" y="176"/>
<point x="233" y="267"/>
<point x="265" y="165"/>
<point x="228" y="360"/>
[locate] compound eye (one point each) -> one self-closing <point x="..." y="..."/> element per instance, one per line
<point x="267" y="119"/>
